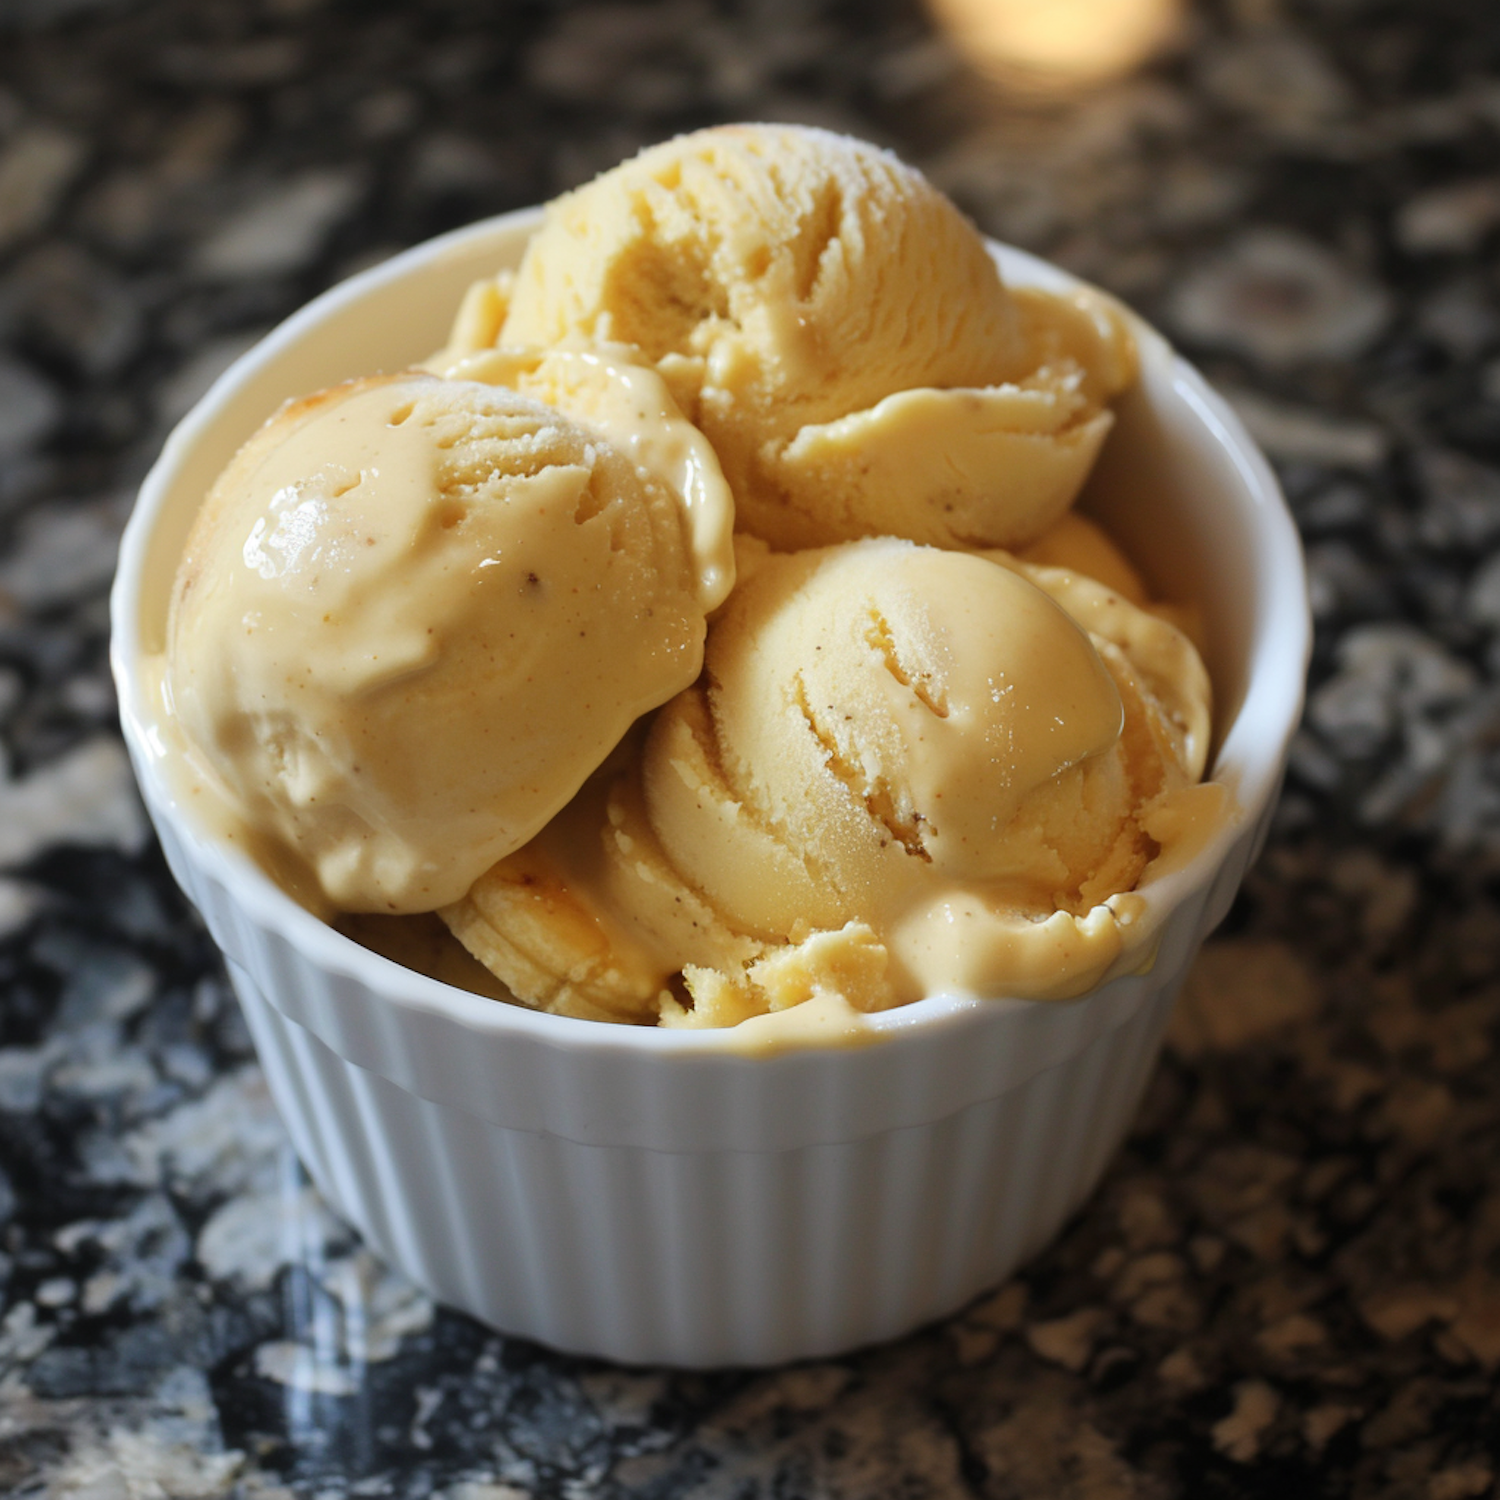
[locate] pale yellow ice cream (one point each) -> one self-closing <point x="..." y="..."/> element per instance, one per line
<point x="420" y="614"/>
<point x="1080" y="545"/>
<point x="835" y="327"/>
<point x="903" y="770"/>
<point x="415" y="614"/>
<point x="606" y="387"/>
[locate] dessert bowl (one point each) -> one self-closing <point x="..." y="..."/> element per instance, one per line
<point x="676" y="1197"/>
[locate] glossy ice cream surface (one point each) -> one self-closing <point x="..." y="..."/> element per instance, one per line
<point x="942" y="737"/>
<point x="836" y="328"/>
<point x="414" y="615"/>
<point x="903" y="770"/>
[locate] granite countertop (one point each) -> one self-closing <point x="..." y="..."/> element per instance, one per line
<point x="1289" y="1280"/>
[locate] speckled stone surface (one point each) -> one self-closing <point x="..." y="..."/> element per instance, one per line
<point x="1289" y="1282"/>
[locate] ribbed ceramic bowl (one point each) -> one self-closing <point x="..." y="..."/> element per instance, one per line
<point x="660" y="1196"/>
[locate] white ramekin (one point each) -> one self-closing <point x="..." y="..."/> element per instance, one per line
<point x="659" y="1196"/>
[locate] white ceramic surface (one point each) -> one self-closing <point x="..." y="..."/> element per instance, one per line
<point x="658" y="1196"/>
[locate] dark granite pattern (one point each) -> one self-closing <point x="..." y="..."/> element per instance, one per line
<point x="1290" y="1280"/>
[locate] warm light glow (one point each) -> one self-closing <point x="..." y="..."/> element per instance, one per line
<point x="1058" y="44"/>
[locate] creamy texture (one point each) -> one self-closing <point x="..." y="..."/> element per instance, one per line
<point x="1082" y="546"/>
<point x="414" y="615"/>
<point x="947" y="744"/>
<point x="605" y="387"/>
<point x="903" y="770"/>
<point x="837" y="329"/>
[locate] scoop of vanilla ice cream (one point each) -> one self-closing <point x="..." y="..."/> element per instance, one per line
<point x="951" y="756"/>
<point x="413" y="616"/>
<point x="879" y="717"/>
<point x="837" y="329"/>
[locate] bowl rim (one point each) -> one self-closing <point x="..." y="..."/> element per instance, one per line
<point x="1250" y="757"/>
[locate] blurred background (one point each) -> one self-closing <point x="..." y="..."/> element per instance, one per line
<point x="1290" y="1278"/>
